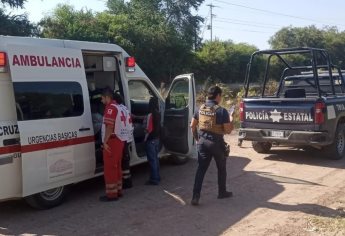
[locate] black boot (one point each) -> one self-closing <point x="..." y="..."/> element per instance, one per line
<point x="127" y="183"/>
<point x="195" y="199"/>
<point x="225" y="194"/>
<point x="107" y="199"/>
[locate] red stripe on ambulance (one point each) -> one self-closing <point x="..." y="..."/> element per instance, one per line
<point x="9" y="149"/>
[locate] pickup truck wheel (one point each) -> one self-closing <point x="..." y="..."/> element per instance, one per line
<point x="261" y="147"/>
<point x="336" y="150"/>
<point x="47" y="199"/>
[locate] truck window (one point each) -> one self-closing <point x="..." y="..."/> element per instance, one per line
<point x="179" y="95"/>
<point x="48" y="100"/>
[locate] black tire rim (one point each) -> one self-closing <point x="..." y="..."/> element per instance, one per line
<point x="52" y="194"/>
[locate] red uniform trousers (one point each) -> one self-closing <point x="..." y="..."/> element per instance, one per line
<point x="112" y="167"/>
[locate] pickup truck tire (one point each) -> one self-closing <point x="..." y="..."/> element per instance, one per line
<point x="261" y="147"/>
<point x="47" y="199"/>
<point x="336" y="150"/>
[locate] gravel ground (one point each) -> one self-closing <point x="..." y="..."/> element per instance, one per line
<point x="279" y="193"/>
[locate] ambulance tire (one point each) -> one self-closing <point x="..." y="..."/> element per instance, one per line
<point x="178" y="160"/>
<point x="261" y="147"/>
<point x="336" y="150"/>
<point x="47" y="199"/>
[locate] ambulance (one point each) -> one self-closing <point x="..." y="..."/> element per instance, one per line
<point x="48" y="104"/>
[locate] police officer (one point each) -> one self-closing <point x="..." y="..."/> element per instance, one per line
<point x="214" y="121"/>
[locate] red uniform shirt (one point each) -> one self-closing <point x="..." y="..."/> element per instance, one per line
<point x="110" y="114"/>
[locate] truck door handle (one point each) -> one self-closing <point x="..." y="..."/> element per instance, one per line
<point x="84" y="129"/>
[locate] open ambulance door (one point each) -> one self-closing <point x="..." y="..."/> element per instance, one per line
<point x="179" y="110"/>
<point x="54" y="119"/>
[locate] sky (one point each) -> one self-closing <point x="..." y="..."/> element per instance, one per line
<point x="249" y="21"/>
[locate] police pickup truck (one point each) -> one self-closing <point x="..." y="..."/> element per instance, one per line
<point x="304" y="108"/>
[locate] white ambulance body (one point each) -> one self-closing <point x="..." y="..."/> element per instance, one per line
<point x="47" y="135"/>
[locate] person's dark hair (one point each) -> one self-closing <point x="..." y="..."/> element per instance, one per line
<point x="213" y="92"/>
<point x="153" y="104"/>
<point x="108" y="92"/>
<point x="118" y="98"/>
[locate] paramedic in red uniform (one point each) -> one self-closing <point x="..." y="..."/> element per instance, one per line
<point x="112" y="148"/>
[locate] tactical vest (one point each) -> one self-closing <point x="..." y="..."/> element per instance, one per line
<point x="208" y="118"/>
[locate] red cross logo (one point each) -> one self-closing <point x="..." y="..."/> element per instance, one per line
<point x="123" y="118"/>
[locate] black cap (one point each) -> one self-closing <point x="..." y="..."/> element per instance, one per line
<point x="108" y="92"/>
<point x="118" y="98"/>
<point x="213" y="91"/>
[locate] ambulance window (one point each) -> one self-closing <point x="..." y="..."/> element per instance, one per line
<point x="138" y="90"/>
<point x="48" y="100"/>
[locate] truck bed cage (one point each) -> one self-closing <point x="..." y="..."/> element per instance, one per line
<point x="279" y="53"/>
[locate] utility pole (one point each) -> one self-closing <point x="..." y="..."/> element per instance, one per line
<point x="210" y="27"/>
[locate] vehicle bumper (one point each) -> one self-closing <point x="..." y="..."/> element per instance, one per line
<point x="290" y="137"/>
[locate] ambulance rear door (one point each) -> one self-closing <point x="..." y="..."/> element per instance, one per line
<point x="179" y="110"/>
<point x="54" y="118"/>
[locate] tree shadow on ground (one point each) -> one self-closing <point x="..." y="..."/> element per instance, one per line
<point x="155" y="210"/>
<point x="308" y="208"/>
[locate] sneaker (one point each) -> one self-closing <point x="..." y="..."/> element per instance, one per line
<point x="226" y="194"/>
<point x="195" y="200"/>
<point x="149" y="182"/>
<point x="108" y="199"/>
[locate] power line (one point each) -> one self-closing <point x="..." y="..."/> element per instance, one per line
<point x="251" y="31"/>
<point x="246" y="21"/>
<point x="275" y="13"/>
<point x="247" y="24"/>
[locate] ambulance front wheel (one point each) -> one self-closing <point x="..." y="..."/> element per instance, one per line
<point x="47" y="199"/>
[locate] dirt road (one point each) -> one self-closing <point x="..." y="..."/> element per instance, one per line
<point x="281" y="193"/>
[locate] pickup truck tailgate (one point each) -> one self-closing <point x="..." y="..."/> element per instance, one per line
<point x="280" y="114"/>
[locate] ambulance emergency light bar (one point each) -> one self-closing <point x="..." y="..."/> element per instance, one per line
<point x="130" y="64"/>
<point x="3" y="62"/>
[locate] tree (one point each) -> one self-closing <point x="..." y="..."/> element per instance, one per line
<point x="298" y="37"/>
<point x="67" y="23"/>
<point x="177" y="14"/>
<point x="223" y="61"/>
<point x="117" y="7"/>
<point x="328" y="38"/>
<point x="140" y="27"/>
<point x="13" y="3"/>
<point x="15" y="25"/>
<point x="160" y="33"/>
